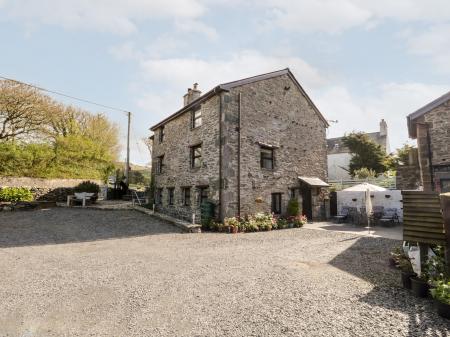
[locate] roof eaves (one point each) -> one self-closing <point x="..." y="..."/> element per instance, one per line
<point x="430" y="106"/>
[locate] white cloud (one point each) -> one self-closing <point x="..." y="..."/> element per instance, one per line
<point x="119" y="16"/>
<point x="433" y="43"/>
<point x="391" y="101"/>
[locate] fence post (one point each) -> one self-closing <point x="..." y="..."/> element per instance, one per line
<point x="445" y="203"/>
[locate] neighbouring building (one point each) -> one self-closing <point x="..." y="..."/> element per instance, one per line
<point x="339" y="156"/>
<point x="430" y="125"/>
<point x="248" y="146"/>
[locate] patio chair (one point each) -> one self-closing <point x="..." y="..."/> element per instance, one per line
<point x="377" y="213"/>
<point x="82" y="198"/>
<point x="389" y="217"/>
<point x="343" y="215"/>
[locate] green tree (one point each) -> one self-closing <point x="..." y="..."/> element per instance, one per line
<point x="366" y="153"/>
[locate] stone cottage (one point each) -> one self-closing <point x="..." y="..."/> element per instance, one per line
<point x="430" y="125"/>
<point x="248" y="146"/>
<point x="339" y="156"/>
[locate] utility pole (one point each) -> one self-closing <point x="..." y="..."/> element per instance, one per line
<point x="127" y="167"/>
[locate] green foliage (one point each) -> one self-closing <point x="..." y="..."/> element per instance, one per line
<point x="87" y="186"/>
<point x="401" y="157"/>
<point x="366" y="153"/>
<point x="364" y="173"/>
<point x="442" y="292"/>
<point x="293" y="207"/>
<point x="15" y="194"/>
<point x="298" y="220"/>
<point x="281" y="223"/>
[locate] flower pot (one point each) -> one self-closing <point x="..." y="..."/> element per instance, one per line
<point x="443" y="309"/>
<point x="419" y="287"/>
<point x="406" y="279"/>
<point x="234" y="230"/>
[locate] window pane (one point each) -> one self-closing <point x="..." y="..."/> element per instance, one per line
<point x="267" y="158"/>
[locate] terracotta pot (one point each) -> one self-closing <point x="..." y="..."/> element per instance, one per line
<point x="234" y="229"/>
<point x="443" y="309"/>
<point x="419" y="287"/>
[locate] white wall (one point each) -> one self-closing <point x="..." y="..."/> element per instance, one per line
<point x="344" y="198"/>
<point x="335" y="162"/>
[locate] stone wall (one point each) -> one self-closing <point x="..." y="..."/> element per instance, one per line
<point x="177" y="172"/>
<point x="275" y="112"/>
<point x="45" y="189"/>
<point x="408" y="177"/>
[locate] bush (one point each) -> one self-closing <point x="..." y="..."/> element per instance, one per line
<point x="87" y="186"/>
<point x="442" y="292"/>
<point x="15" y="194"/>
<point x="293" y="208"/>
<point x="281" y="223"/>
<point x="298" y="221"/>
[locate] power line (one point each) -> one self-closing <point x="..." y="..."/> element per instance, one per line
<point x="65" y="95"/>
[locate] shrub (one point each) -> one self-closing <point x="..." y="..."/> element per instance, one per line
<point x="87" y="186"/>
<point x="282" y="223"/>
<point x="231" y="222"/>
<point x="293" y="207"/>
<point x="442" y="292"/>
<point x="15" y="194"/>
<point x="298" y="221"/>
<point x="264" y="221"/>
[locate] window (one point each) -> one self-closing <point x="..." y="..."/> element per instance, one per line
<point x="186" y="196"/>
<point x="293" y="193"/>
<point x="202" y="194"/>
<point x="267" y="158"/>
<point x="196" y="118"/>
<point x="158" y="196"/>
<point x="276" y="203"/>
<point x="196" y="156"/>
<point x="445" y="185"/>
<point x="160" y="164"/>
<point x="170" y="196"/>
<point x="161" y="134"/>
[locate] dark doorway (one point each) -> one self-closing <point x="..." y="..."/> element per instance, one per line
<point x="305" y="190"/>
<point x="276" y="203"/>
<point x="333" y="203"/>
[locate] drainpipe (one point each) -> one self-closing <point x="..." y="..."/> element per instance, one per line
<point x="430" y="157"/>
<point x="220" y="157"/>
<point x="239" y="158"/>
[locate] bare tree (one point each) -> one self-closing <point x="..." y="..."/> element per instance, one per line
<point x="22" y="110"/>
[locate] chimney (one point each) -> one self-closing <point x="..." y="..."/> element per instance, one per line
<point x="191" y="95"/>
<point x="383" y="128"/>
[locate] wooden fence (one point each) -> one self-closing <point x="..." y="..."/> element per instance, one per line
<point x="422" y="218"/>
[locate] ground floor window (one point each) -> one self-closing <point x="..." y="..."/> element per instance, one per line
<point x="170" y="196"/>
<point x="202" y="194"/>
<point x="158" y="196"/>
<point x="276" y="203"/>
<point x="186" y="196"/>
<point x="445" y="185"/>
<point x="293" y="193"/>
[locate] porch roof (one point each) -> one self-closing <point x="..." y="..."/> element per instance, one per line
<point x="314" y="181"/>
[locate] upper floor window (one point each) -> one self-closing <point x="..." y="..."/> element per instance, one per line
<point x="186" y="196"/>
<point x="267" y="161"/>
<point x="196" y="156"/>
<point x="171" y="195"/>
<point x="196" y="118"/>
<point x="160" y="164"/>
<point x="161" y="134"/>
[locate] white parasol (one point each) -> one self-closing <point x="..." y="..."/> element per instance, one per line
<point x="368" y="208"/>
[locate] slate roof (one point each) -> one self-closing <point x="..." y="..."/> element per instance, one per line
<point x="422" y="111"/>
<point x="227" y="86"/>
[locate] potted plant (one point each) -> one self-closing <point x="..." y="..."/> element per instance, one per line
<point x="441" y="295"/>
<point x="407" y="271"/>
<point x="88" y="187"/>
<point x="232" y="224"/>
<point x="419" y="283"/>
<point x="395" y="257"/>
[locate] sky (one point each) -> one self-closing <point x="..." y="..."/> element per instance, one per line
<point x="359" y="60"/>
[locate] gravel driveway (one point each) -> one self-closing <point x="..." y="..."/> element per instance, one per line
<point x="73" y="272"/>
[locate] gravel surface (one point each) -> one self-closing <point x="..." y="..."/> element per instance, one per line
<point x="73" y="272"/>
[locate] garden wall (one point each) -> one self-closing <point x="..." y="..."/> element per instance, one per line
<point x="45" y="189"/>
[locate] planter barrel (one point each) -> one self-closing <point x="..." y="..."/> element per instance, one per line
<point x="406" y="279"/>
<point x="419" y="287"/>
<point x="443" y="309"/>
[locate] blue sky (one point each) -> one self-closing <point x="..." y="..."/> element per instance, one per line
<point x="359" y="60"/>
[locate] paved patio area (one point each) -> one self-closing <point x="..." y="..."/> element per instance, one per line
<point x="84" y="272"/>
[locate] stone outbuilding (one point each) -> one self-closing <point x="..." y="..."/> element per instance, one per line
<point x="248" y="146"/>
<point x="430" y="125"/>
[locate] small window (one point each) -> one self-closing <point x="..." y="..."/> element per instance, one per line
<point x="160" y="164"/>
<point x="171" y="195"/>
<point x="202" y="194"/>
<point x="267" y="158"/>
<point x="196" y="156"/>
<point x="445" y="185"/>
<point x="196" y="118"/>
<point x="161" y="134"/>
<point x="276" y="203"/>
<point x="186" y="196"/>
<point x="158" y="197"/>
<point x="293" y="193"/>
